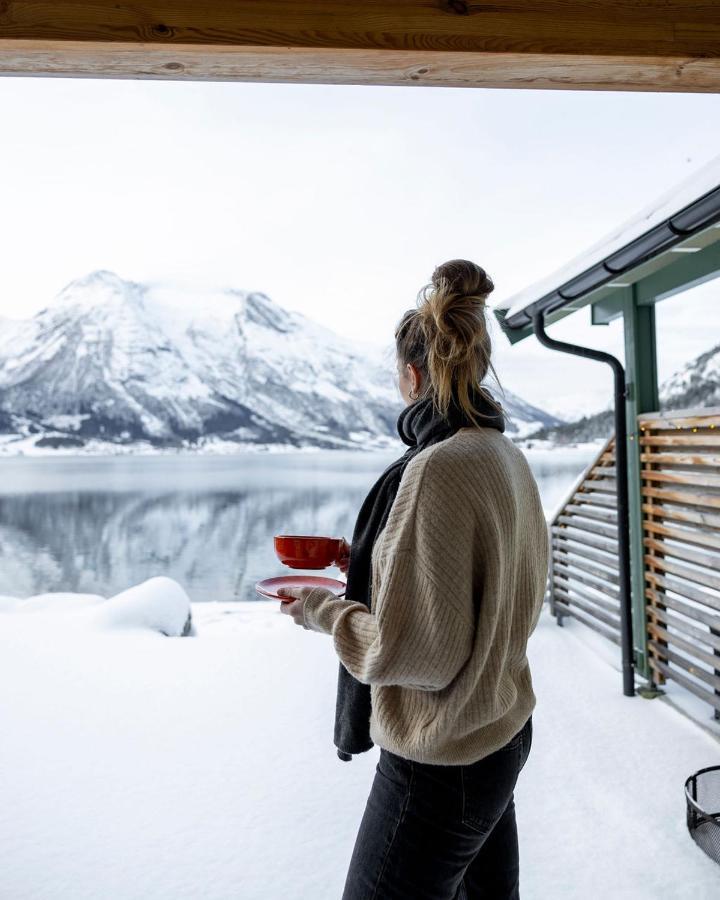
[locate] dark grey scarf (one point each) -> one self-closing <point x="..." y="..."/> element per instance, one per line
<point x="419" y="426"/>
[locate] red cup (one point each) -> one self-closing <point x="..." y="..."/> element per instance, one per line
<point x="303" y="551"/>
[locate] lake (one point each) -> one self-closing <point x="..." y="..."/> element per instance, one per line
<point x="101" y="524"/>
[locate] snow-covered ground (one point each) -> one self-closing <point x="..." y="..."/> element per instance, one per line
<point x="134" y="765"/>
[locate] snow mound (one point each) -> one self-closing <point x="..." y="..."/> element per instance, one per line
<point x="159" y="604"/>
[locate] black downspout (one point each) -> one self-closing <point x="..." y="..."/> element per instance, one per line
<point x="623" y="521"/>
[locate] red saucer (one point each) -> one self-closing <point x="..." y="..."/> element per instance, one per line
<point x="268" y="586"/>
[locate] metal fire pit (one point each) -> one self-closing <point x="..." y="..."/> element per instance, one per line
<point x="702" y="794"/>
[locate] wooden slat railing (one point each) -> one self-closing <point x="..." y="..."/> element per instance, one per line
<point x="680" y="477"/>
<point x="583" y="578"/>
<point x="680" y="459"/>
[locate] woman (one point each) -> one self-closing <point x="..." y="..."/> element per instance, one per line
<point x="445" y="581"/>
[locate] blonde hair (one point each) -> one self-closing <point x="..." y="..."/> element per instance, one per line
<point x="446" y="336"/>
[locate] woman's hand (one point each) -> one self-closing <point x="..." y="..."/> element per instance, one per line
<point x="343" y="558"/>
<point x="296" y="608"/>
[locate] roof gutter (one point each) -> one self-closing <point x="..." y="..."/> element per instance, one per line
<point x="698" y="215"/>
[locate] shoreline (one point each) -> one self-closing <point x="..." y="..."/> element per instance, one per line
<point x="98" y="449"/>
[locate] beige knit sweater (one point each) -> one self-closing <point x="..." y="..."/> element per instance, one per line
<point x="458" y="578"/>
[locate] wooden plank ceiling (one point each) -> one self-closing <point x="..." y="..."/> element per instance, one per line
<point x="645" y="45"/>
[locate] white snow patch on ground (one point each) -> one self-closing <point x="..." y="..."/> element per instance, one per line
<point x="134" y="765"/>
<point x="158" y="605"/>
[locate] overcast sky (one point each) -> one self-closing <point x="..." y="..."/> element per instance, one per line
<point x="338" y="201"/>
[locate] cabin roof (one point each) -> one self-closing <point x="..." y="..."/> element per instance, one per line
<point x="683" y="220"/>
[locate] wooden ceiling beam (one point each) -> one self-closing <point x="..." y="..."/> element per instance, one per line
<point x="645" y="45"/>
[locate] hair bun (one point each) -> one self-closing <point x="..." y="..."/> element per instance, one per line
<point x="453" y="308"/>
<point x="463" y="278"/>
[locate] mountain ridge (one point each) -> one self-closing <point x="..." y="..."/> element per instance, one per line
<point x="695" y="386"/>
<point x="122" y="362"/>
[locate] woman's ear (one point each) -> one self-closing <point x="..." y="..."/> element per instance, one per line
<point x="415" y="378"/>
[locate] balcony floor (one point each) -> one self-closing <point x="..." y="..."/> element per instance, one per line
<point x="135" y="766"/>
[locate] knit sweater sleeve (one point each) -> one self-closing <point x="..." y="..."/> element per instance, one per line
<point x="422" y="628"/>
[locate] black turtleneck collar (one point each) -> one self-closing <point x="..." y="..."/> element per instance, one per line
<point x="419" y="423"/>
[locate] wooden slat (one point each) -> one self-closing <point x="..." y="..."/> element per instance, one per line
<point x="684" y="572"/>
<point x="681" y="440"/>
<point x="609" y="531"/>
<point x="687" y="554"/>
<point x="565" y="575"/>
<point x="606" y="471"/>
<point x="696" y="517"/>
<point x="704" y="637"/>
<point x="566" y="548"/>
<point x="681" y="459"/>
<point x="584" y="538"/>
<point x="564" y="561"/>
<point x="653" y="45"/>
<point x="687" y="683"/>
<point x="701" y="479"/>
<point x="699" y="417"/>
<point x="600" y="609"/>
<point x="603" y="485"/>
<point x="564" y="535"/>
<point x="686" y="646"/>
<point x="685" y="535"/>
<point x="684" y="589"/>
<point x="604" y="515"/>
<point x="686" y="498"/>
<point x="692" y="612"/>
<point x="677" y="659"/>
<point x="607" y="501"/>
<point x="608" y="633"/>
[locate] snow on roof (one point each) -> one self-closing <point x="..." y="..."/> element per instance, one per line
<point x="663" y="207"/>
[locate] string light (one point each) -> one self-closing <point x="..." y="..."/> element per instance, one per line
<point x="648" y="430"/>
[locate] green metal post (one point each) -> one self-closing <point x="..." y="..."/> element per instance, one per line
<point x="642" y="396"/>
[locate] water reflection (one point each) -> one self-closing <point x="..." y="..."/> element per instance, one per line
<point x="100" y="525"/>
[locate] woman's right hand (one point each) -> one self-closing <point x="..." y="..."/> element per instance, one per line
<point x="343" y="557"/>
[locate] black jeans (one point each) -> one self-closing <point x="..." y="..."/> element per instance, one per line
<point x="433" y="832"/>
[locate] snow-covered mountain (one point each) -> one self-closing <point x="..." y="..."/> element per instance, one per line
<point x="116" y="361"/>
<point x="697" y="384"/>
